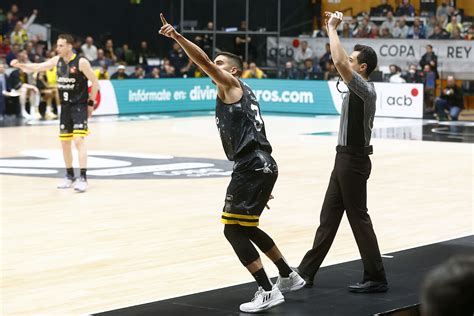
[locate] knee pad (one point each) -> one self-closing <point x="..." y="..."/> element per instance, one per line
<point x="260" y="238"/>
<point x="241" y="244"/>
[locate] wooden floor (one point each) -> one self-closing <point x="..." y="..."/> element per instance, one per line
<point x="126" y="242"/>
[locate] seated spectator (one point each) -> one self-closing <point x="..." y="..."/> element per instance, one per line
<point x="154" y="74"/>
<point x="439" y="33"/>
<point x="47" y="94"/>
<point x="412" y="75"/>
<point x="5" y="48"/>
<point x="253" y="72"/>
<point x="401" y="29"/>
<point x="302" y="54"/>
<point x="354" y="25"/>
<point x="416" y="31"/>
<point x="385" y="33"/>
<point x="456" y="34"/>
<point x="364" y="28"/>
<point x="178" y="59"/>
<point x="13" y="54"/>
<point x="325" y="58"/>
<point x="310" y="71"/>
<point x="382" y="9"/>
<point x="450" y="101"/>
<point x="167" y="70"/>
<point x="374" y="32"/>
<point x="126" y="55"/>
<point x="346" y="31"/>
<point x="430" y="25"/>
<point x="447" y="289"/>
<point x="103" y="72"/>
<point x="205" y="40"/>
<point x="452" y="11"/>
<point x="143" y="54"/>
<point x="396" y="74"/>
<point x="331" y="71"/>
<point x="120" y="73"/>
<point x="101" y="60"/>
<point x="405" y="9"/>
<point x="89" y="50"/>
<point x="289" y="72"/>
<point x="109" y="51"/>
<point x="389" y="23"/>
<point x="430" y="58"/>
<point x="470" y="33"/>
<point x="139" y="73"/>
<point x="453" y="24"/>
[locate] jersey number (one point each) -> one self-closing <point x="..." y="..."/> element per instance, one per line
<point x="258" y="118"/>
<point x="66" y="96"/>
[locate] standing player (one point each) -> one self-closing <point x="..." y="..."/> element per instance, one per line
<point x="242" y="132"/>
<point x="76" y="104"/>
<point x="347" y="188"/>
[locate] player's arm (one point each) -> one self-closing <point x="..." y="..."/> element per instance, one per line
<point x="86" y="69"/>
<point x="338" y="53"/>
<point x="35" y="67"/>
<point x="198" y="56"/>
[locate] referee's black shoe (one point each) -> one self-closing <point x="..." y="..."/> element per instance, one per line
<point x="368" y="287"/>
<point x="309" y="281"/>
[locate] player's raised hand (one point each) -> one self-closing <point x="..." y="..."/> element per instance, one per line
<point x="15" y="63"/>
<point x="167" y="29"/>
<point x="333" y="20"/>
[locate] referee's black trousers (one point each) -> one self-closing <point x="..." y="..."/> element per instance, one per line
<point x="347" y="191"/>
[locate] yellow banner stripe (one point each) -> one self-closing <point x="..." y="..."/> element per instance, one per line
<point x="229" y="222"/>
<point x="240" y="215"/>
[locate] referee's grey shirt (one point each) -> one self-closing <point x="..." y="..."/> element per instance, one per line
<point x="357" y="113"/>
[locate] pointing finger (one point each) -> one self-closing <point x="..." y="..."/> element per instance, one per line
<point x="163" y="20"/>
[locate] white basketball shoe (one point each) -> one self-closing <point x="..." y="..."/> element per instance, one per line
<point x="80" y="185"/>
<point x="263" y="300"/>
<point x="292" y="283"/>
<point x="66" y="183"/>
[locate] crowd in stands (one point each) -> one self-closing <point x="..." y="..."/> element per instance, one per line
<point x="116" y="63"/>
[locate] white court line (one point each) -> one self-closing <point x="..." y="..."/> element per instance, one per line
<point x="240" y="283"/>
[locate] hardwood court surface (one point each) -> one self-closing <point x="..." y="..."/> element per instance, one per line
<point x="127" y="242"/>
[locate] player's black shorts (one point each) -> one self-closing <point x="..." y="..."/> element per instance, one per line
<point x="73" y="121"/>
<point x="252" y="183"/>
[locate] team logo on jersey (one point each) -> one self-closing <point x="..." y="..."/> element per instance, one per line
<point x="116" y="165"/>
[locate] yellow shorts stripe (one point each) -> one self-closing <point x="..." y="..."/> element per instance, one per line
<point x="240" y="215"/>
<point x="67" y="136"/>
<point x="232" y="221"/>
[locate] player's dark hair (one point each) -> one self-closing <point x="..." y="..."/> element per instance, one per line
<point x="235" y="59"/>
<point x="68" y="37"/>
<point x="368" y="56"/>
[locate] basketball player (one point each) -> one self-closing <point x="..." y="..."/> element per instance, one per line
<point x="76" y="104"/>
<point x="347" y="190"/>
<point x="242" y="132"/>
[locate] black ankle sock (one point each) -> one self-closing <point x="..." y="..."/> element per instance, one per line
<point x="262" y="279"/>
<point x="70" y="173"/>
<point x="84" y="173"/>
<point x="283" y="268"/>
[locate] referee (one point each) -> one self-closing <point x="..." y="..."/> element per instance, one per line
<point x="347" y="188"/>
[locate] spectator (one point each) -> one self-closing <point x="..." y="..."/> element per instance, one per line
<point x="405" y="9"/>
<point x="302" y="54"/>
<point x="401" y="29"/>
<point x="331" y="71"/>
<point x="19" y="35"/>
<point x="453" y="24"/>
<point x="120" y="73"/>
<point x="205" y="41"/>
<point x="374" y="32"/>
<point x="139" y="73"/>
<point x="385" y="33"/>
<point x="452" y="11"/>
<point x="167" y="70"/>
<point x="442" y="10"/>
<point x="240" y="42"/>
<point x="430" y="25"/>
<point x="430" y="58"/>
<point x="354" y="25"/>
<point x="389" y="23"/>
<point x="450" y="100"/>
<point x="289" y="72"/>
<point x="325" y="58"/>
<point x="439" y="33"/>
<point x="3" y="89"/>
<point x="456" y="34"/>
<point x="396" y="74"/>
<point x="143" y="54"/>
<point x="13" y="53"/>
<point x="154" y="74"/>
<point x="447" y="289"/>
<point x="103" y="72"/>
<point x="470" y="33"/>
<point x="14" y="12"/>
<point x="416" y="31"/>
<point x="126" y="55"/>
<point x="178" y="59"/>
<point x="346" y="31"/>
<point x="47" y="93"/>
<point x="109" y="51"/>
<point x="310" y="71"/>
<point x="364" y="28"/>
<point x="412" y="75"/>
<point x="89" y="50"/>
<point x="382" y="9"/>
<point x="5" y="48"/>
<point x="9" y="24"/>
<point x="429" y="81"/>
<point x="253" y="72"/>
<point x="101" y="60"/>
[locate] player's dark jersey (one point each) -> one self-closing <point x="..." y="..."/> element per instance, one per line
<point x="72" y="83"/>
<point x="241" y="126"/>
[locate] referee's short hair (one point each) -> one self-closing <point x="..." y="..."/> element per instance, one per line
<point x="368" y="56"/>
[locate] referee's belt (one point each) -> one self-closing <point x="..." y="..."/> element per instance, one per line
<point x="366" y="150"/>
